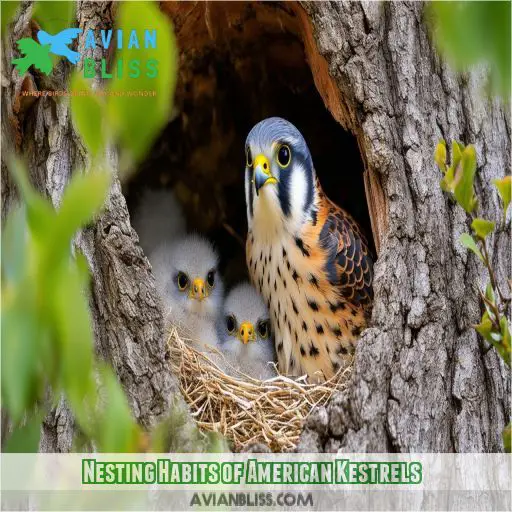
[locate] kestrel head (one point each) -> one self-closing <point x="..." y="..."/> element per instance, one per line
<point x="245" y="318"/>
<point x="192" y="284"/>
<point x="280" y="178"/>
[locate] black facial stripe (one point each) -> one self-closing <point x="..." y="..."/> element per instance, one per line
<point x="251" y="192"/>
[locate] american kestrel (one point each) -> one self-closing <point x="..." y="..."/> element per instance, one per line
<point x="305" y="254"/>
<point x="244" y="333"/>
<point x="185" y="267"/>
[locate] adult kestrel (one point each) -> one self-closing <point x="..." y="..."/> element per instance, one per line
<point x="306" y="255"/>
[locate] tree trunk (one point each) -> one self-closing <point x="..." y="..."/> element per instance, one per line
<point x="422" y="379"/>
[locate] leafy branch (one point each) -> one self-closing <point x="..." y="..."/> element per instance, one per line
<point x="458" y="182"/>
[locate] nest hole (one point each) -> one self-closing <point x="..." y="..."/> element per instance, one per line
<point x="240" y="64"/>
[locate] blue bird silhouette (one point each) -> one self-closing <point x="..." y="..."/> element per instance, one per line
<point x="59" y="43"/>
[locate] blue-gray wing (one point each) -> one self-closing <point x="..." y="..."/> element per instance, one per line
<point x="67" y="36"/>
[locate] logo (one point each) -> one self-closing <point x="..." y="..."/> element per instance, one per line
<point x="37" y="54"/>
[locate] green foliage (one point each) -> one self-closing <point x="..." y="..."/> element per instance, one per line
<point x="469" y="243"/>
<point x="137" y="120"/>
<point x="504" y="187"/>
<point x="459" y="176"/>
<point x="87" y="111"/>
<point x="482" y="227"/>
<point x="54" y="16"/>
<point x="458" y="182"/>
<point x="468" y="33"/>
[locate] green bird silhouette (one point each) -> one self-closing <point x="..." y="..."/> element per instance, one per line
<point x="34" y="54"/>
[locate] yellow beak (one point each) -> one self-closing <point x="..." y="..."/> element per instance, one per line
<point x="246" y="333"/>
<point x="262" y="173"/>
<point x="198" y="290"/>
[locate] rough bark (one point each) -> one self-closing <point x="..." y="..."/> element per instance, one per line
<point x="128" y="326"/>
<point x="422" y="380"/>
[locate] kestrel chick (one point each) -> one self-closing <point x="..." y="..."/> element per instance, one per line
<point x="305" y="254"/>
<point x="244" y="333"/>
<point x="190" y="286"/>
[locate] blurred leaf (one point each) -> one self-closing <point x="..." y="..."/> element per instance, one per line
<point x="485" y="327"/>
<point x="506" y="438"/>
<point x="87" y="112"/>
<point x="489" y="293"/>
<point x="73" y="325"/>
<point x="40" y="214"/>
<point x="457" y="150"/>
<point x="504" y="187"/>
<point x="14" y="241"/>
<point x="505" y="341"/>
<point x="117" y="430"/>
<point x="137" y="120"/>
<point x="468" y="242"/>
<point x="82" y="201"/>
<point x="440" y="155"/>
<point x="482" y="227"/>
<point x="8" y="8"/>
<point x="20" y="334"/>
<point x="54" y="16"/>
<point x="25" y="439"/>
<point x="468" y="33"/>
<point x="464" y="177"/>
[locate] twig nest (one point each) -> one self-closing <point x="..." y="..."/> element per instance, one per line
<point x="243" y="409"/>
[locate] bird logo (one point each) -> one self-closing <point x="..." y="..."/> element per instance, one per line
<point x="38" y="54"/>
<point x="59" y="43"/>
<point x="35" y="55"/>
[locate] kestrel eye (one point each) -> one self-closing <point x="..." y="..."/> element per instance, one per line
<point x="248" y="157"/>
<point x="210" y="278"/>
<point x="263" y="329"/>
<point x="182" y="280"/>
<point x="230" y="324"/>
<point x="284" y="156"/>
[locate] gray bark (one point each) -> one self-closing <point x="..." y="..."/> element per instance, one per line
<point x="422" y="381"/>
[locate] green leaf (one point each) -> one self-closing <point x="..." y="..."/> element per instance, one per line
<point x="137" y="120"/>
<point x="8" y="10"/>
<point x="457" y="150"/>
<point x="489" y="293"/>
<point x="482" y="227"/>
<point x="504" y="187"/>
<point x="440" y="155"/>
<point x="464" y="177"/>
<point x="469" y="33"/>
<point x="82" y="200"/>
<point x="505" y="342"/>
<point x="469" y="243"/>
<point x="484" y="328"/>
<point x="506" y="438"/>
<point x="118" y="432"/>
<point x="87" y="112"/>
<point x="54" y="16"/>
<point x="14" y="242"/>
<point x="73" y="326"/>
<point x="25" y="439"/>
<point x="21" y="332"/>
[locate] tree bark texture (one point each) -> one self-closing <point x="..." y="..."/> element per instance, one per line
<point x="422" y="379"/>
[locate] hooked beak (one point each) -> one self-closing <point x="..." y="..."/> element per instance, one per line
<point x="246" y="333"/>
<point x="262" y="173"/>
<point x="198" y="289"/>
